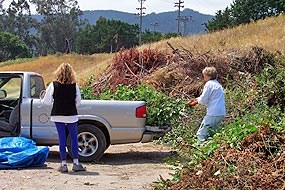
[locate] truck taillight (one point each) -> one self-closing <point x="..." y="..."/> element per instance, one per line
<point x="141" y="112"/>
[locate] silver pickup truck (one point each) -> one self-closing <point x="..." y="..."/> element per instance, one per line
<point x="101" y="123"/>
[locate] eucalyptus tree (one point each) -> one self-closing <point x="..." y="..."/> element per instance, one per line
<point x="58" y="27"/>
<point x="18" y="21"/>
<point x="2" y="14"/>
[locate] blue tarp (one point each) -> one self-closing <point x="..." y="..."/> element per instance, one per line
<point x="20" y="152"/>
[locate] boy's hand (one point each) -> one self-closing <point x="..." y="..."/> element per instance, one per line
<point x="193" y="102"/>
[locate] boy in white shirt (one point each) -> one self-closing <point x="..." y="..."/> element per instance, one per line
<point x="214" y="99"/>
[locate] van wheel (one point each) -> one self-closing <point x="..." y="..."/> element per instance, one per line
<point x="91" y="143"/>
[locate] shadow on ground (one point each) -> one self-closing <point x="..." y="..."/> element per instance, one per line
<point x="136" y="157"/>
<point x="123" y="158"/>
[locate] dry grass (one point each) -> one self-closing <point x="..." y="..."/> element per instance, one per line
<point x="269" y="34"/>
<point x="84" y="65"/>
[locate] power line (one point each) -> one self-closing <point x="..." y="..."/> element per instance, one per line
<point x="141" y="13"/>
<point x="179" y="5"/>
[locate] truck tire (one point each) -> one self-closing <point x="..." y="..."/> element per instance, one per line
<point x="91" y="143"/>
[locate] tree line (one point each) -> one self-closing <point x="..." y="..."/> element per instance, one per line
<point x="61" y="29"/>
<point x="245" y="11"/>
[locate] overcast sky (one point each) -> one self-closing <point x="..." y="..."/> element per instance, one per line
<point x="203" y="6"/>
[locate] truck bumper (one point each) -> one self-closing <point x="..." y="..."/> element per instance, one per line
<point x="154" y="133"/>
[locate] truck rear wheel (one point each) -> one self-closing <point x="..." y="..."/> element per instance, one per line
<point x="91" y="143"/>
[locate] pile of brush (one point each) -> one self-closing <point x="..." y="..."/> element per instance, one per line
<point x="179" y="73"/>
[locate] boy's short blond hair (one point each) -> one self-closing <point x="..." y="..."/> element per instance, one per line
<point x="211" y="72"/>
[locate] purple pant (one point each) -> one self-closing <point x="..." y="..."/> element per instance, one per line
<point x="61" y="130"/>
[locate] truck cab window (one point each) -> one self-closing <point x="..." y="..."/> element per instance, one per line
<point x="37" y="85"/>
<point x="12" y="87"/>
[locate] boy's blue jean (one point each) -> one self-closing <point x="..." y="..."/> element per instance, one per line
<point x="208" y="125"/>
<point x="61" y="130"/>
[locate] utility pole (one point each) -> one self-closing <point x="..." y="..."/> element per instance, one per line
<point x="179" y="5"/>
<point x="185" y="20"/>
<point x="141" y="13"/>
<point x="154" y="25"/>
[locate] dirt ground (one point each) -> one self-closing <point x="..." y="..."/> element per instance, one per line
<point x="131" y="167"/>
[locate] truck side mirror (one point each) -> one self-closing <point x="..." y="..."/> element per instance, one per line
<point x="3" y="94"/>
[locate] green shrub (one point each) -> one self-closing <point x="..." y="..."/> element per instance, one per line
<point x="12" y="47"/>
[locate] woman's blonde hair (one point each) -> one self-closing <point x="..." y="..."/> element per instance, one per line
<point x="211" y="72"/>
<point x="65" y="74"/>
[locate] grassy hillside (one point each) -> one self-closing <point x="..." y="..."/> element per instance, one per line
<point x="269" y="34"/>
<point x="84" y="65"/>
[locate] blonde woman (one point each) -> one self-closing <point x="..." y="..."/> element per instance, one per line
<point x="64" y="96"/>
<point x="214" y="99"/>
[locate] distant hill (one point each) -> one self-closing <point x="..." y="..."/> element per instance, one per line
<point x="167" y="20"/>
